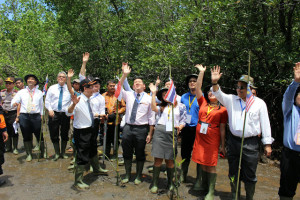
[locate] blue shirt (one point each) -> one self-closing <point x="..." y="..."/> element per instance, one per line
<point x="186" y="99"/>
<point x="291" y="117"/>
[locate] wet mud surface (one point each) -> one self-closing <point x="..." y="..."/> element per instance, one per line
<point x="52" y="180"/>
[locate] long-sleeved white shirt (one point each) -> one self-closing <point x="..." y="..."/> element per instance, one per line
<point x="97" y="104"/>
<point x="52" y="97"/>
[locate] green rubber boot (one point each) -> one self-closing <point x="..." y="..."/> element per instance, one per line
<point x="201" y="182"/>
<point x="57" y="151"/>
<point x="43" y="152"/>
<point x="154" y="188"/>
<point x="233" y="190"/>
<point x="170" y="175"/>
<point x="79" y="170"/>
<point x="250" y="189"/>
<point x="28" y="149"/>
<point x="139" y="171"/>
<point x="8" y="145"/>
<point x="96" y="166"/>
<point x="128" y="165"/>
<point x="36" y="148"/>
<point x="63" y="146"/>
<point x="211" y="177"/>
<point x="184" y="171"/>
<point x="15" y="145"/>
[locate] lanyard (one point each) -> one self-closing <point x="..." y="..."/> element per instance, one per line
<point x="138" y="100"/>
<point x="190" y="104"/>
<point x="31" y="95"/>
<point x="169" y="110"/>
<point x="209" y="109"/>
<point x="95" y="96"/>
<point x="242" y="106"/>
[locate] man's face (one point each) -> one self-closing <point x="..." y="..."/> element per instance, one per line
<point x="192" y="83"/>
<point x="96" y="87"/>
<point x="254" y="92"/>
<point x="298" y="100"/>
<point x="88" y="92"/>
<point x="111" y="87"/>
<point x="241" y="89"/>
<point x="31" y="81"/>
<point x="61" y="79"/>
<point x="167" y="84"/>
<point x="19" y="84"/>
<point x="139" y="85"/>
<point x="76" y="86"/>
<point x="9" y="85"/>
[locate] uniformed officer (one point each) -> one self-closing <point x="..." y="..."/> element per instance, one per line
<point x="3" y="139"/>
<point x="10" y="114"/>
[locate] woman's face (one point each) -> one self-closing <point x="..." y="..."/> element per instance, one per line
<point x="163" y="94"/>
<point x="211" y="97"/>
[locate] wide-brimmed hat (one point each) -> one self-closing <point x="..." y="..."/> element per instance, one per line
<point x="187" y="79"/>
<point x="76" y="81"/>
<point x="33" y="76"/>
<point x="87" y="82"/>
<point x="97" y="80"/>
<point x="10" y="79"/>
<point x="159" y="93"/>
<point x="245" y="78"/>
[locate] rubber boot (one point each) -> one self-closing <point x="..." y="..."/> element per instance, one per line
<point x="128" y="165"/>
<point x="170" y="175"/>
<point x="139" y="171"/>
<point x="36" y="148"/>
<point x="15" y="145"/>
<point x="57" y="151"/>
<point x="200" y="182"/>
<point x="43" y="152"/>
<point x="250" y="189"/>
<point x="156" y="172"/>
<point x="184" y="171"/>
<point x="79" y="170"/>
<point x="211" y="177"/>
<point x="63" y="146"/>
<point x="233" y="190"/>
<point x="285" y="198"/>
<point x="96" y="166"/>
<point x="28" y="149"/>
<point x="8" y="145"/>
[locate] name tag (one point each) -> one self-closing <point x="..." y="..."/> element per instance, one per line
<point x="33" y="108"/>
<point x="169" y="126"/>
<point x="188" y="119"/>
<point x="204" y="127"/>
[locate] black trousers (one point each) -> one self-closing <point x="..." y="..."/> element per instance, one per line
<point x="187" y="142"/>
<point x="110" y="137"/>
<point x="60" y="122"/>
<point x="85" y="144"/>
<point x="290" y="172"/>
<point x="134" y="138"/>
<point x="2" y="150"/>
<point x="10" y="118"/>
<point x="249" y="158"/>
<point x="30" y="123"/>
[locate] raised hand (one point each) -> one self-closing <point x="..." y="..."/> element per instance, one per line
<point x="215" y="74"/>
<point x="157" y="82"/>
<point x="125" y="68"/>
<point x="200" y="67"/>
<point x="70" y="73"/>
<point x="152" y="88"/>
<point x="85" y="57"/>
<point x="297" y="72"/>
<point x="75" y="99"/>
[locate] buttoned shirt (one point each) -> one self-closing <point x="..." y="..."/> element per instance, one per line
<point x="166" y="115"/>
<point x="52" y="98"/>
<point x="291" y="117"/>
<point x="192" y="107"/>
<point x="257" y="119"/>
<point x="111" y="105"/>
<point x="97" y="104"/>
<point x="82" y="117"/>
<point x="23" y="97"/>
<point x="6" y="99"/>
<point x="144" y="114"/>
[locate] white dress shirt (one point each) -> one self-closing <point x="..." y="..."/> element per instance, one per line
<point x="52" y="97"/>
<point x="98" y="104"/>
<point x="23" y="97"/>
<point x="166" y="115"/>
<point x="144" y="114"/>
<point x="257" y="119"/>
<point x="82" y="117"/>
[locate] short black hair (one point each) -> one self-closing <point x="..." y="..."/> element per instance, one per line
<point x="111" y="81"/>
<point x="138" y="77"/>
<point x="19" y="79"/>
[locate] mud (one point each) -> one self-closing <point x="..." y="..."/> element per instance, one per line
<point x="51" y="180"/>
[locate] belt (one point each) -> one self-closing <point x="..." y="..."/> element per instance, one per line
<point x="138" y="125"/>
<point x="248" y="138"/>
<point x="209" y="124"/>
<point x="30" y="113"/>
<point x="11" y="111"/>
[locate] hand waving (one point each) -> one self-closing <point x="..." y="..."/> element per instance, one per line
<point x="70" y="73"/>
<point x="297" y="72"/>
<point x="85" y="57"/>
<point x="152" y="88"/>
<point x="200" y="67"/>
<point x="125" y="68"/>
<point x="215" y="74"/>
<point x="157" y="82"/>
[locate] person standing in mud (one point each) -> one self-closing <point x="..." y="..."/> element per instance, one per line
<point x="290" y="159"/>
<point x="187" y="135"/>
<point x="257" y="122"/>
<point x="58" y="99"/>
<point x="84" y="135"/>
<point x="3" y="139"/>
<point x="140" y="121"/>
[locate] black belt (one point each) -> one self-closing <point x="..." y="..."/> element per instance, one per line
<point x="209" y="124"/>
<point x="8" y="112"/>
<point x="248" y="138"/>
<point x="143" y="125"/>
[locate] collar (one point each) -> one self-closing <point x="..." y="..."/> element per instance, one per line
<point x="135" y="93"/>
<point x="95" y="94"/>
<point x="190" y="94"/>
<point x="83" y="97"/>
<point x="239" y="98"/>
<point x="60" y="86"/>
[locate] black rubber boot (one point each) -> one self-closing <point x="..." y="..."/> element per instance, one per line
<point x="211" y="177"/>
<point x="15" y="141"/>
<point x="128" y="165"/>
<point x="79" y="170"/>
<point x="184" y="171"/>
<point x="156" y="172"/>
<point x="63" y="146"/>
<point x="250" y="189"/>
<point x="96" y="166"/>
<point x="170" y="175"/>
<point x="201" y="183"/>
<point x="28" y="149"/>
<point x="139" y="171"/>
<point x="57" y="151"/>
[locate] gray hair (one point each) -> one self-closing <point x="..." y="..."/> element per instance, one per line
<point x="62" y="72"/>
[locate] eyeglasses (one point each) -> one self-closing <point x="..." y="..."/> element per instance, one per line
<point x="61" y="77"/>
<point x="240" y="87"/>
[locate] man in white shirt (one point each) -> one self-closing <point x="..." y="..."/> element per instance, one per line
<point x="57" y="101"/>
<point x="84" y="135"/>
<point x="257" y="122"/>
<point x="140" y="121"/>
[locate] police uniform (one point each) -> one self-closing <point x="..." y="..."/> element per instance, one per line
<point x="2" y="148"/>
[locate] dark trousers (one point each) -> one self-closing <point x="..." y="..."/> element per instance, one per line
<point x="249" y="158"/>
<point x="110" y="138"/>
<point x="290" y="172"/>
<point x="10" y="118"/>
<point x="134" y="138"/>
<point x="2" y="150"/>
<point x="85" y="144"/>
<point x="59" y="121"/>
<point x="187" y="142"/>
<point x="30" y="123"/>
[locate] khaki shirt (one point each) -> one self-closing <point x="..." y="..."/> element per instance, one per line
<point x="6" y="99"/>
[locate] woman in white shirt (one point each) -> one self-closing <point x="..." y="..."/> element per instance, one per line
<point x="162" y="144"/>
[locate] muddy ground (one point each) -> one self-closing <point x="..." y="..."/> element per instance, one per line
<point x="51" y="180"/>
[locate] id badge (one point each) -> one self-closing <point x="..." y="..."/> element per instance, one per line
<point x="169" y="126"/>
<point x="239" y="123"/>
<point x="32" y="107"/>
<point x="188" y="119"/>
<point x="204" y="127"/>
<point x="297" y="136"/>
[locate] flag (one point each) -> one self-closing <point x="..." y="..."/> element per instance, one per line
<point x="45" y="86"/>
<point x="171" y="94"/>
<point x="249" y="98"/>
<point x="118" y="93"/>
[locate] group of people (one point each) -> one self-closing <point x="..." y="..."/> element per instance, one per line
<point x="199" y="117"/>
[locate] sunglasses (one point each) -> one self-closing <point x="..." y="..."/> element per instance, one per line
<point x="240" y="87"/>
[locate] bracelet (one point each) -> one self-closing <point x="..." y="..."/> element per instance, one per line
<point x="214" y="83"/>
